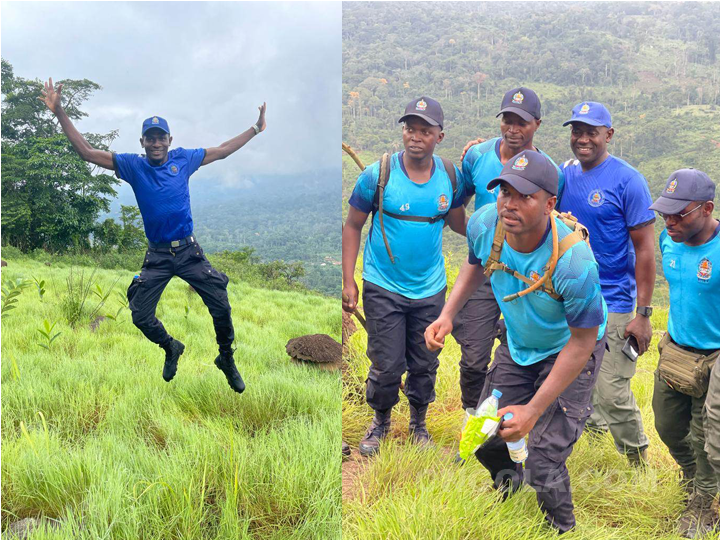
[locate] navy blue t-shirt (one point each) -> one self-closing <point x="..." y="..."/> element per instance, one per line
<point x="163" y="192"/>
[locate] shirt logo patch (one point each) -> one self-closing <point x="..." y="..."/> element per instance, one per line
<point x="520" y="163"/>
<point x="155" y="120"/>
<point x="421" y="105"/>
<point x="704" y="270"/>
<point x="518" y="98"/>
<point x="672" y="186"/>
<point x="173" y="169"/>
<point x="596" y="198"/>
<point x="443" y="203"/>
<point x="535" y="276"/>
<point x="585" y="109"/>
<point x="405" y="207"/>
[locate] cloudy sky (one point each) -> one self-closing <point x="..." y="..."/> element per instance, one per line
<point x="204" y="66"/>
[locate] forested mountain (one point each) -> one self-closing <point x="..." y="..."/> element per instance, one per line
<point x="655" y="65"/>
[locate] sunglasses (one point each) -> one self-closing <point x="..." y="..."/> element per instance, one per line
<point x="679" y="217"/>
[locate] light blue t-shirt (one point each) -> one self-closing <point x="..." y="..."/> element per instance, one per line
<point x="419" y="269"/>
<point x="610" y="200"/>
<point x="162" y="192"/>
<point x="482" y="164"/>
<point x="693" y="273"/>
<point x="537" y="325"/>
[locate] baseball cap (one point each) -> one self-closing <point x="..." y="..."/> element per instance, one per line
<point x="684" y="187"/>
<point x="523" y="102"/>
<point x="592" y="113"/>
<point x="426" y="108"/>
<point x="528" y="172"/>
<point x="155" y="122"/>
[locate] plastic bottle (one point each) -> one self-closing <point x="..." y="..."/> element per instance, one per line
<point x="518" y="449"/>
<point x="490" y="406"/>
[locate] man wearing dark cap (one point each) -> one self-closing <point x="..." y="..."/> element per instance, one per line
<point x="474" y="328"/>
<point x="404" y="292"/>
<point x="160" y="180"/>
<point x="612" y="200"/>
<point x="690" y="246"/>
<point x="547" y="362"/>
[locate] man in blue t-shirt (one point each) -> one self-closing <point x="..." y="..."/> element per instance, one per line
<point x="405" y="291"/>
<point x="690" y="246"/>
<point x="160" y="179"/>
<point x="474" y="328"/>
<point x="548" y="361"/>
<point x="612" y="200"/>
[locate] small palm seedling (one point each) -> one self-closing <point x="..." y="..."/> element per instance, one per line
<point x="47" y="334"/>
<point x="10" y="292"/>
<point x="40" y="284"/>
<point x="123" y="305"/>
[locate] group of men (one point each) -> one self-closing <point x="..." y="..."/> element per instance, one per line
<point x="575" y="313"/>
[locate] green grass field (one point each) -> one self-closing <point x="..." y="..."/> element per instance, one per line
<point x="94" y="440"/>
<point x="407" y="494"/>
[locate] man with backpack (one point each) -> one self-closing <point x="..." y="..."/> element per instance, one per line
<point x="411" y="195"/>
<point x="475" y="326"/>
<point x="160" y="180"/>
<point x="612" y="200"/>
<point x="545" y="279"/>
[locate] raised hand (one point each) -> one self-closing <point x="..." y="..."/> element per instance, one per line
<point x="51" y="96"/>
<point x="261" y="120"/>
<point x="469" y="145"/>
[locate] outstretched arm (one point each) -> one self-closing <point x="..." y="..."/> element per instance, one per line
<point x="236" y="143"/>
<point x="51" y="98"/>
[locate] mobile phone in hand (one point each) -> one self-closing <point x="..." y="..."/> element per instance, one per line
<point x="631" y="348"/>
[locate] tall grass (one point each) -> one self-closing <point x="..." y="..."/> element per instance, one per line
<point x="407" y="494"/>
<point x="94" y="438"/>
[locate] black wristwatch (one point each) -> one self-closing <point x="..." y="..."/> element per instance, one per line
<point x="645" y="311"/>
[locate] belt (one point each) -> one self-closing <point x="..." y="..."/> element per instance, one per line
<point x="173" y="244"/>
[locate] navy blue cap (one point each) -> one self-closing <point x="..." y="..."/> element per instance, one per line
<point x="426" y="108"/>
<point x="684" y="187"/>
<point x="591" y="113"/>
<point x="155" y="122"/>
<point x="523" y="102"/>
<point x="528" y="172"/>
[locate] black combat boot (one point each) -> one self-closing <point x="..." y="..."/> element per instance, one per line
<point x="173" y="350"/>
<point x="379" y="428"/>
<point x="418" y="430"/>
<point x="226" y="363"/>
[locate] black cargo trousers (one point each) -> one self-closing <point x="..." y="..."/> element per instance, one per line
<point x="189" y="263"/>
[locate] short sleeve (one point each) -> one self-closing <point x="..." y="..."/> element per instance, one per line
<point x="637" y="201"/>
<point x="480" y="224"/>
<point x="459" y="196"/>
<point x="577" y="280"/>
<point x="467" y="166"/>
<point x="363" y="195"/>
<point x="195" y="158"/>
<point x="125" y="166"/>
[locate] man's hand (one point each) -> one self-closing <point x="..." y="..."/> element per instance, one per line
<point x="51" y="96"/>
<point x="261" y="119"/>
<point x="469" y="145"/>
<point x="641" y="328"/>
<point x="524" y="419"/>
<point x="350" y="294"/>
<point x="436" y="332"/>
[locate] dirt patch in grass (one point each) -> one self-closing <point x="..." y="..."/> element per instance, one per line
<point x="352" y="469"/>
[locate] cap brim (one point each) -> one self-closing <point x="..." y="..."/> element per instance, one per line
<point x="665" y="205"/>
<point x="155" y="127"/>
<point x="587" y="121"/>
<point x="526" y="187"/>
<point x="520" y="112"/>
<point x="424" y="117"/>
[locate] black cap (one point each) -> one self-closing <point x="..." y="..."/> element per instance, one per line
<point x="682" y="188"/>
<point x="426" y="108"/>
<point x="523" y="102"/>
<point x="528" y="172"/>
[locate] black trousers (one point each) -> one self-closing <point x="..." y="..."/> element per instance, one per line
<point x="396" y="344"/>
<point x="189" y="263"/>
<point x="551" y="441"/>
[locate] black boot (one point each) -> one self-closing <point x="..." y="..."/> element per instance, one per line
<point x="379" y="428"/>
<point x="173" y="350"/>
<point x="226" y="363"/>
<point x="418" y="430"/>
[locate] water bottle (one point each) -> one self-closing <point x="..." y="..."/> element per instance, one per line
<point x="518" y="449"/>
<point x="490" y="406"/>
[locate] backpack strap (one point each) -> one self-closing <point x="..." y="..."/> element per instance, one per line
<point x="450" y="170"/>
<point x="383" y="178"/>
